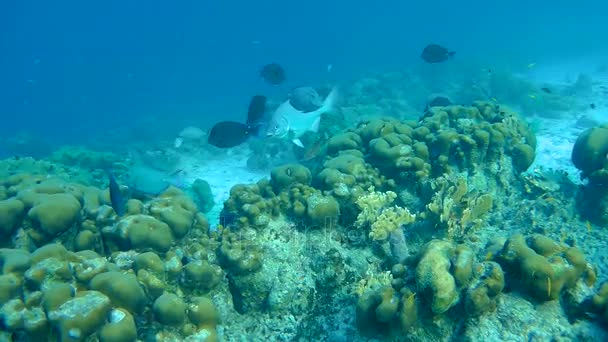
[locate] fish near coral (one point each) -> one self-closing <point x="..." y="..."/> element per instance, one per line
<point x="116" y="198"/>
<point x="226" y="134"/>
<point x="288" y="121"/>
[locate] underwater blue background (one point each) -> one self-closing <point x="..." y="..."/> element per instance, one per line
<point x="70" y="70"/>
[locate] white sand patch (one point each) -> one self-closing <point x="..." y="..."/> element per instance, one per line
<point x="555" y="140"/>
<point x="556" y="137"/>
<point x="222" y="172"/>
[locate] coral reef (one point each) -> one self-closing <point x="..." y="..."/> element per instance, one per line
<point x="396" y="230"/>
<point x="543" y="267"/>
<point x="590" y="155"/>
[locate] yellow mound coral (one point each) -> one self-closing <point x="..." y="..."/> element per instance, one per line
<point x="382" y="219"/>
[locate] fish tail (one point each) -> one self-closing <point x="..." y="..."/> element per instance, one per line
<point x="330" y="101"/>
<point x="116" y="199"/>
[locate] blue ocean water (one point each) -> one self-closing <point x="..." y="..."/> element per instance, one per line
<point x="459" y="200"/>
<point x="71" y="70"/>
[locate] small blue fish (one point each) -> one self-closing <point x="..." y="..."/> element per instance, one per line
<point x="118" y="202"/>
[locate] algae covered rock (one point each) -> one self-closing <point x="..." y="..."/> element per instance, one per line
<point x="239" y="255"/>
<point x="55" y="295"/>
<point x="252" y="205"/>
<point x="15" y="260"/>
<point x="322" y="210"/>
<point x="11" y="213"/>
<point x="144" y="233"/>
<point x="149" y="261"/>
<point x="11" y="287"/>
<point x="542" y="269"/>
<point x="344" y="141"/>
<point x="81" y="316"/>
<point x="203" y="313"/>
<point x="203" y="194"/>
<point x="285" y="175"/>
<point x="433" y="276"/>
<point x="122" y="289"/>
<point x="120" y="327"/>
<point x="169" y="309"/>
<point x="85" y="240"/>
<point x="201" y="275"/>
<point x="53" y="214"/>
<point x="590" y="152"/>
<point x="482" y="295"/>
<point x="176" y="210"/>
<point x="381" y="309"/>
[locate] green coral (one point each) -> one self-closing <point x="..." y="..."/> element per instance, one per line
<point x="201" y="275"/>
<point x="253" y="205"/>
<point x="122" y="289"/>
<point x="382" y="218"/>
<point x="11" y="213"/>
<point x="143" y="233"/>
<point x="120" y="328"/>
<point x="282" y="177"/>
<point x="239" y="255"/>
<point x="169" y="309"/>
<point x="80" y="316"/>
<point x="590" y="150"/>
<point x="203" y="194"/>
<point x="482" y="295"/>
<point x="203" y="314"/>
<point x="446" y="139"/>
<point x="590" y="155"/>
<point x="433" y="276"/>
<point x="176" y="210"/>
<point x="322" y="210"/>
<point x="544" y="269"/>
<point x="456" y="209"/>
<point x="381" y="308"/>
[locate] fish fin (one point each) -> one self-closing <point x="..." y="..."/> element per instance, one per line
<point x="330" y="101"/>
<point x="315" y="125"/>
<point x="298" y="142"/>
<point x="451" y="54"/>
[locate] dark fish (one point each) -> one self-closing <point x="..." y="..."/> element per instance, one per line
<point x="586" y="122"/>
<point x="273" y="73"/>
<point x="305" y="99"/>
<point x="546" y="90"/>
<point x="116" y="199"/>
<point x="315" y="149"/>
<point x="592" y="106"/>
<point x="434" y="53"/>
<point x="147" y="181"/>
<point x="226" y="134"/>
<point x="227" y="218"/>
<point x="438" y="100"/>
<point x="257" y="108"/>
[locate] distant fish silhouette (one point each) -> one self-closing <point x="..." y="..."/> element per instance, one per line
<point x="273" y="73"/>
<point x="434" y="53"/>
<point x="256" y="110"/>
<point x="546" y="90"/>
<point x="116" y="199"/>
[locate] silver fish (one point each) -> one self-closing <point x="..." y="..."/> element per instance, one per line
<point x="289" y="122"/>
